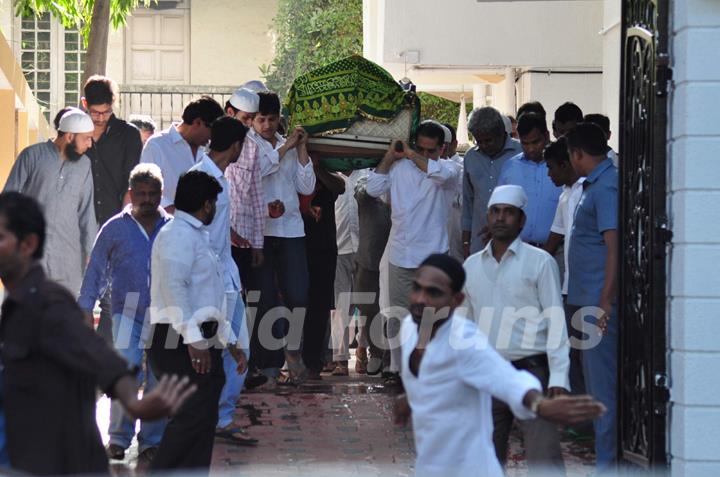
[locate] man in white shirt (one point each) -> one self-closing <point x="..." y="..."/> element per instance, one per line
<point x="348" y="230"/>
<point x="451" y="373"/>
<point x="513" y="294"/>
<point x="188" y="314"/>
<point x="286" y="172"/>
<point x="226" y="140"/>
<point x="418" y="184"/>
<point x="177" y="148"/>
<point x="562" y="174"/>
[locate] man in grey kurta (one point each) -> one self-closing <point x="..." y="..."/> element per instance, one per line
<point x="482" y="169"/>
<point x="57" y="174"/>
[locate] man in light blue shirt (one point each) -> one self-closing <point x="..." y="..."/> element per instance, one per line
<point x="529" y="170"/>
<point x="593" y="258"/>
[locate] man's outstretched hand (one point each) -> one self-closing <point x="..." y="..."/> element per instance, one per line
<point x="165" y="400"/>
<point x="570" y="409"/>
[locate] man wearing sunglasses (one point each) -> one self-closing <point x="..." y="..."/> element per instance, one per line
<point x="418" y="184"/>
<point x="177" y="148"/>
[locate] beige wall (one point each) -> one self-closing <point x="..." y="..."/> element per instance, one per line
<point x="230" y="39"/>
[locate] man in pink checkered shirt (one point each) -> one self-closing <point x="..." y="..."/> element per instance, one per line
<point x="247" y="208"/>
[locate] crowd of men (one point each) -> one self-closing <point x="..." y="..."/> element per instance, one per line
<point x="220" y="250"/>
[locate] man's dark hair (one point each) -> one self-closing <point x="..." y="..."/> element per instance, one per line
<point x="600" y="120"/>
<point x="450" y="266"/>
<point x="58" y="117"/>
<point x="431" y="130"/>
<point x="529" y="121"/>
<point x="205" y="108"/>
<point x="269" y="103"/>
<point x="23" y="217"/>
<point x="143" y="123"/>
<point x="531" y="107"/>
<point x="557" y="151"/>
<point x="194" y="189"/>
<point x="568" y="112"/>
<point x="453" y="132"/>
<point x="589" y="138"/>
<point x="229" y="105"/>
<point x="225" y="132"/>
<point x="99" y="89"/>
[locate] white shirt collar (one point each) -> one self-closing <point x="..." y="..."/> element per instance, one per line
<point x="190" y="219"/>
<point x="514" y="246"/>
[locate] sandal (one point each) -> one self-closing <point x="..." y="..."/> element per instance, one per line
<point x="297" y="372"/>
<point x="341" y="369"/>
<point x="236" y="435"/>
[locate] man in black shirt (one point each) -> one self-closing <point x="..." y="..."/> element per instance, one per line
<point x="53" y="362"/>
<point x="115" y="151"/>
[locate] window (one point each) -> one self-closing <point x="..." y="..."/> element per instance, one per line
<point x="54" y="78"/>
<point x="35" y="57"/>
<point x="74" y="65"/>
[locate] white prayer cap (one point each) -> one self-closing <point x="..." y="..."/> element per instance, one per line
<point x="75" y="121"/>
<point x="245" y="100"/>
<point x="255" y="86"/>
<point x="510" y="195"/>
<point x="507" y="123"/>
<point x="448" y="134"/>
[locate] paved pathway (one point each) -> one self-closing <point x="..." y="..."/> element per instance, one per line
<point x="338" y="426"/>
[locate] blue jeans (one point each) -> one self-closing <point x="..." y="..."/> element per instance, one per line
<point x="129" y="338"/>
<point x="285" y="266"/>
<point x="600" y="371"/>
<point x="234" y="382"/>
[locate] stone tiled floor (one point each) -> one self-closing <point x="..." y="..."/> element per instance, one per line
<point x="338" y="426"/>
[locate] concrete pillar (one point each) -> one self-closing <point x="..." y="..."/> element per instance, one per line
<point x="478" y="95"/>
<point x="23" y="137"/>
<point x="7" y="133"/>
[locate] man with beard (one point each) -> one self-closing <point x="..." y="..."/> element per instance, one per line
<point x="120" y="261"/>
<point x="451" y="373"/>
<point x="57" y="174"/>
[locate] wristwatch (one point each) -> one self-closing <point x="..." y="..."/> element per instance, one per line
<point x="536" y="403"/>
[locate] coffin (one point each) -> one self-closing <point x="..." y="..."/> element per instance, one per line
<point x="352" y="109"/>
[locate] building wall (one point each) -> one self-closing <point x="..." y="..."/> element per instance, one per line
<point x="694" y="198"/>
<point x="542" y="34"/>
<point x="230" y="39"/>
<point x="554" y="89"/>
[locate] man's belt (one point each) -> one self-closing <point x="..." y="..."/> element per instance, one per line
<point x="534" y="361"/>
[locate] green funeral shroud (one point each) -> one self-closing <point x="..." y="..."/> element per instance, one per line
<point x="329" y="99"/>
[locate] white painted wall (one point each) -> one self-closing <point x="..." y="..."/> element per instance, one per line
<point x="611" y="43"/>
<point x="466" y="32"/>
<point x="554" y="89"/>
<point x="694" y="198"/>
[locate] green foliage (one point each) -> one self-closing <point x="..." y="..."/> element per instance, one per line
<point x="440" y="109"/>
<point x="76" y="14"/>
<point x="312" y="33"/>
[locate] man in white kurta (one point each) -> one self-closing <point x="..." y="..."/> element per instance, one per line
<point x="450" y="373"/>
<point x="418" y="183"/>
<point x="513" y="294"/>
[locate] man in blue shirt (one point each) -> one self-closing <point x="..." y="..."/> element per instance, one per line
<point x="482" y="166"/>
<point x="121" y="259"/>
<point x="529" y="170"/>
<point x="592" y="286"/>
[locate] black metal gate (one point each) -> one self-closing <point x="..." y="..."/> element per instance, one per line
<point x="643" y="394"/>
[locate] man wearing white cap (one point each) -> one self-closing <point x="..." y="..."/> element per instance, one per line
<point x="247" y="205"/>
<point x="57" y="174"/>
<point x="513" y="293"/>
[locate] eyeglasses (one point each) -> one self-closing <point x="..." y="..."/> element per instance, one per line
<point x="100" y="114"/>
